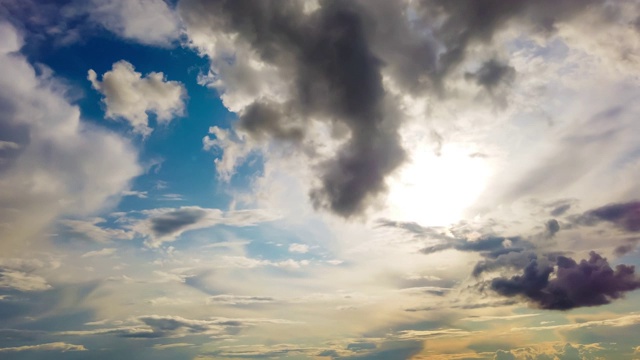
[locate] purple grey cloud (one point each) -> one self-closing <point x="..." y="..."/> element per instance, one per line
<point x="590" y="282"/>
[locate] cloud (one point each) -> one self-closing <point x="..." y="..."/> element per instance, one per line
<point x="624" y="215"/>
<point x="103" y="252"/>
<point x="565" y="351"/>
<point x="22" y="281"/>
<point x="167" y="224"/>
<point x="171" y="346"/>
<point x="227" y="299"/>
<point x="161" y="225"/>
<point x="500" y="318"/>
<point x="285" y="67"/>
<point x="249" y="263"/>
<point x="130" y="96"/>
<point x="138" y="194"/>
<point x="591" y="282"/>
<point x="91" y="229"/>
<point x="167" y="326"/>
<point x="258" y="352"/>
<point x="63" y="165"/>
<point x="622" y="321"/>
<point x="493" y="245"/>
<point x="492" y="74"/>
<point x="55" y="346"/>
<point x="149" y="22"/>
<point x="336" y="78"/>
<point x="173" y="221"/>
<point x="299" y="248"/>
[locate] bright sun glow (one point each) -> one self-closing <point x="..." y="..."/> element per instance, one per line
<point x="434" y="190"/>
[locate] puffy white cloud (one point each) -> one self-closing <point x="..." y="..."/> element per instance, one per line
<point x="299" y="248"/>
<point x="150" y="22"/>
<point x="131" y="96"/>
<point x="233" y="146"/>
<point x="58" y="165"/>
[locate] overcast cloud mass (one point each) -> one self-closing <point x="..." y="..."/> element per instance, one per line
<point x="319" y="179"/>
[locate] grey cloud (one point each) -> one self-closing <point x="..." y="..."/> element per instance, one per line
<point x="416" y="229"/>
<point x="359" y="346"/>
<point x="504" y="355"/>
<point x="261" y="119"/>
<point x="492" y="245"/>
<point x="492" y="73"/>
<point x="157" y="326"/>
<point x="552" y="227"/>
<point x="467" y="306"/>
<point x="402" y="350"/>
<point x="336" y="77"/>
<point x="227" y="299"/>
<point x="470" y="21"/>
<point x="560" y="210"/>
<point x="590" y="282"/>
<point x="330" y="63"/>
<point x="174" y="221"/>
<point x="328" y="353"/>
<point x="167" y="224"/>
<point x="624" y="215"/>
<point x="626" y="248"/>
<point x="514" y="260"/>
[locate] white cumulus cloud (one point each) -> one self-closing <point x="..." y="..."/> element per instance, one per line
<point x="56" y="164"/>
<point x="130" y="96"/>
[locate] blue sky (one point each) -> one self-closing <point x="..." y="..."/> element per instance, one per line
<point x="319" y="179"/>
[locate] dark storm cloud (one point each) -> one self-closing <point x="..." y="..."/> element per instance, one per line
<point x="333" y="58"/>
<point x="624" y="215"/>
<point x="590" y="282"/>
<point x="336" y="77"/>
<point x="174" y="221"/>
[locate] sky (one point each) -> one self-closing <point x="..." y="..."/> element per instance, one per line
<point x="319" y="179"/>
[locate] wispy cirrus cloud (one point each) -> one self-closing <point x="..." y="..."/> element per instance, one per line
<point x="55" y="346"/>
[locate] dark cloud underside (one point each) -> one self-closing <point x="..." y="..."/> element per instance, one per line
<point x="333" y="59"/>
<point x="590" y="282"/>
<point x="174" y="221"/>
